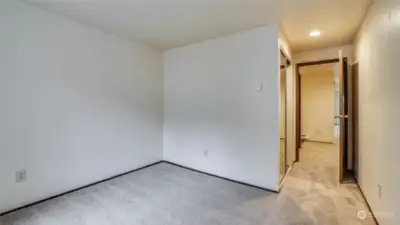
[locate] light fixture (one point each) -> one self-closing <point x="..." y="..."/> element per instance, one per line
<point x="314" y="33"/>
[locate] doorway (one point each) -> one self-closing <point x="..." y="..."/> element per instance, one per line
<point x="328" y="120"/>
<point x="318" y="102"/>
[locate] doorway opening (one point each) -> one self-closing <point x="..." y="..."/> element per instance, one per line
<point x="324" y="114"/>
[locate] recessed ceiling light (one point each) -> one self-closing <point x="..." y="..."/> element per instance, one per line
<point x="314" y="33"/>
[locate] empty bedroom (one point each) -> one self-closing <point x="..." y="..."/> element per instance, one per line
<point x="150" y="112"/>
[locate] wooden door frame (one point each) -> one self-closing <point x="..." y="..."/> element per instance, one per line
<point x="287" y="64"/>
<point x="298" y="98"/>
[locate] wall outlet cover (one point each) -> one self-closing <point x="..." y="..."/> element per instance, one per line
<point x="20" y="176"/>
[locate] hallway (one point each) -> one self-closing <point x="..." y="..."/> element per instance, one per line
<point x="313" y="185"/>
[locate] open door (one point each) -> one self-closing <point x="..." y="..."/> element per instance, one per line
<point x="355" y="97"/>
<point x="343" y="117"/>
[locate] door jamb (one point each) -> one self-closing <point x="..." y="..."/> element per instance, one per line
<point x="287" y="64"/>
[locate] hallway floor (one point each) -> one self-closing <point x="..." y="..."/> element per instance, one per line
<point x="165" y="194"/>
<point x="313" y="185"/>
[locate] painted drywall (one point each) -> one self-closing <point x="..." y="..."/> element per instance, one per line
<point x="324" y="54"/>
<point x="290" y="102"/>
<point x="317" y="105"/>
<point x="221" y="106"/>
<point x="78" y="105"/>
<point x="378" y="53"/>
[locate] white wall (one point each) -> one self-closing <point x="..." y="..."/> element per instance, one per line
<point x="77" y="105"/>
<point x="214" y="118"/>
<point x="378" y="53"/>
<point x="317" y="105"/>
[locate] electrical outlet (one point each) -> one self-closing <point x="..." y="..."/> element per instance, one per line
<point x="260" y="88"/>
<point x="20" y="176"/>
<point x="379" y="191"/>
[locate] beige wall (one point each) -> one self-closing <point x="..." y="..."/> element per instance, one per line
<point x="378" y="53"/>
<point x="317" y="99"/>
<point x="291" y="114"/>
<point x="324" y="54"/>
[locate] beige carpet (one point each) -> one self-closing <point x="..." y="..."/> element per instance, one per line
<point x="168" y="195"/>
<point x="313" y="186"/>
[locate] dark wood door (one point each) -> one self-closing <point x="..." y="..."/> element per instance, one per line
<point x="354" y="69"/>
<point x="343" y="137"/>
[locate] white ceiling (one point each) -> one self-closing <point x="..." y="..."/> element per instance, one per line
<point x="338" y="20"/>
<point x="167" y="24"/>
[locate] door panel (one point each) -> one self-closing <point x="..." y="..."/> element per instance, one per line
<point x="355" y="119"/>
<point x="350" y="120"/>
<point x="343" y="137"/>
